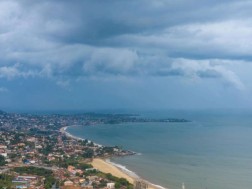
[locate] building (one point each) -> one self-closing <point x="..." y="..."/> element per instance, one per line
<point x="68" y="183"/>
<point x="111" y="185"/>
<point x="3" y="147"/>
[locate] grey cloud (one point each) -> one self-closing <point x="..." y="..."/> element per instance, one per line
<point x="209" y="69"/>
<point x="71" y="39"/>
<point x="222" y="40"/>
<point x="208" y="74"/>
<point x="112" y="61"/>
<point x="85" y="61"/>
<point x="93" y="21"/>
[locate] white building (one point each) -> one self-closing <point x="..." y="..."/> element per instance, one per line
<point x="3" y="154"/>
<point x="68" y="183"/>
<point x="111" y="185"/>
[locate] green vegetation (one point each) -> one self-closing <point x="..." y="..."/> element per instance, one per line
<point x="2" y="160"/>
<point x="66" y="161"/>
<point x="119" y="182"/>
<point x="48" y="174"/>
<point x="82" y="142"/>
<point x="47" y="149"/>
<point x="39" y="135"/>
<point x="33" y="171"/>
<point x="83" y="166"/>
<point x="5" y="181"/>
<point x="107" y="149"/>
<point x="89" y="153"/>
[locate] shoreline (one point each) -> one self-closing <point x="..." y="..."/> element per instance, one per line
<point x="106" y="166"/>
<point x="133" y="175"/>
<point x="64" y="131"/>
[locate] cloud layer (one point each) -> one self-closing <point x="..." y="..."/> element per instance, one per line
<point x="70" y="41"/>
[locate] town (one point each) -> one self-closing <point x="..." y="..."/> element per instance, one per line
<point x="37" y="153"/>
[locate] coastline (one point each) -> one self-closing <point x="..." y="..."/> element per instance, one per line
<point x="106" y="166"/>
<point x="64" y="131"/>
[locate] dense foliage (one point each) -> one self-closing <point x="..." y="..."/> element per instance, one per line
<point x="88" y="153"/>
<point x="5" y="181"/>
<point x="2" y="160"/>
<point x="119" y="182"/>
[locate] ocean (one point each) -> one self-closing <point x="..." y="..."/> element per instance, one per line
<point x="213" y="151"/>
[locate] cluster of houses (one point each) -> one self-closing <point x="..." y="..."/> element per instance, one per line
<point x="36" y="141"/>
<point x="78" y="180"/>
<point x="71" y="185"/>
<point x="27" y="150"/>
<point x="28" y="182"/>
<point x="3" y="151"/>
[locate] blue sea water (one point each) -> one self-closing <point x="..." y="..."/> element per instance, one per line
<point x="213" y="151"/>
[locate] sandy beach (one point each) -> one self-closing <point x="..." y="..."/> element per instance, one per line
<point x="103" y="165"/>
<point x="64" y="131"/>
<point x="108" y="167"/>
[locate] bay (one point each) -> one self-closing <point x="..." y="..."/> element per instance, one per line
<point x="214" y="150"/>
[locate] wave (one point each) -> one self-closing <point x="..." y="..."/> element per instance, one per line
<point x="119" y="166"/>
<point x="158" y="186"/>
<point x="132" y="174"/>
<point x="64" y="129"/>
<point x="123" y="168"/>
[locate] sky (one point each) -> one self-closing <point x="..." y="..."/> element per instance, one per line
<point x="118" y="54"/>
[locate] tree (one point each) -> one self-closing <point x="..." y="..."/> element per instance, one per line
<point x="89" y="153"/>
<point x="2" y="160"/>
<point x="5" y="181"/>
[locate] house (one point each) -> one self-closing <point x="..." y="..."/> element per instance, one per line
<point x="70" y="168"/>
<point x="92" y="178"/>
<point x="111" y="185"/>
<point x="21" y="187"/>
<point x="68" y="183"/>
<point x="82" y="180"/>
<point x="21" y="144"/>
<point x="3" y="153"/>
<point x="31" y="139"/>
<point x="3" y="147"/>
<point x="79" y="171"/>
<point x="38" y="146"/>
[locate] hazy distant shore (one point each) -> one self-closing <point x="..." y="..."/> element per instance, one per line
<point x="106" y="166"/>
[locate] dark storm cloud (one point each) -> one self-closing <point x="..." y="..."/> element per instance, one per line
<point x="93" y="21"/>
<point x="72" y="39"/>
